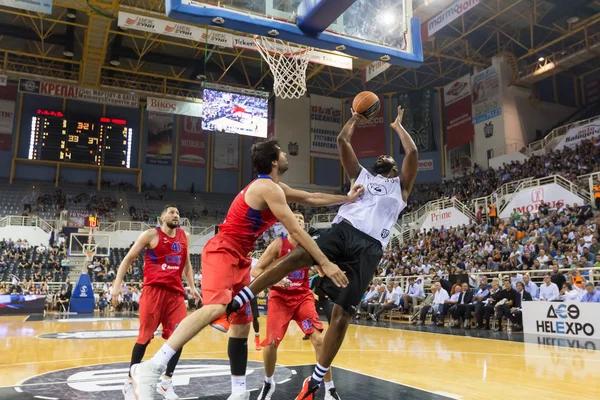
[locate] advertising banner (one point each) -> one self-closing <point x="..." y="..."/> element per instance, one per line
<point x="418" y="119"/>
<point x="458" y="103"/>
<point x="67" y="91"/>
<point x="227" y="150"/>
<point x="369" y="137"/>
<point x="192" y="149"/>
<point x="174" y="107"/>
<point x="447" y="16"/>
<point x="567" y="320"/>
<point x="529" y="200"/>
<point x="447" y="218"/>
<point x="325" y="125"/>
<point x="174" y="29"/>
<point x="487" y="103"/>
<point x="575" y="136"/>
<point x="159" y="149"/>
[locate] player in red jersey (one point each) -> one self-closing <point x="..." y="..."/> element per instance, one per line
<point x="226" y="266"/>
<point x="166" y="256"/>
<point x="291" y="299"/>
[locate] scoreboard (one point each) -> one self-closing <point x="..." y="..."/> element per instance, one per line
<point x="106" y="141"/>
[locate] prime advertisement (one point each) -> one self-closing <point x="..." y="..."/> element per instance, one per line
<point x="446" y="218"/>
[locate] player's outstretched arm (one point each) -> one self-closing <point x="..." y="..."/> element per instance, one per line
<point x="275" y="199"/>
<point x="140" y="244"/>
<point x="271" y="254"/>
<point x="408" y="174"/>
<point x="320" y="199"/>
<point x="347" y="155"/>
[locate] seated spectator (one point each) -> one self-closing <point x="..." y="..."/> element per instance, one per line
<point x="488" y="310"/>
<point x="102" y="302"/>
<point x="569" y="294"/>
<point x="508" y="298"/>
<point x="591" y="294"/>
<point x="477" y="303"/>
<point x="135" y="299"/>
<point x="531" y="287"/>
<point x="461" y="310"/>
<point x="368" y="298"/>
<point x="516" y="313"/>
<point x="439" y="298"/>
<point x="2" y="264"/>
<point x="450" y="304"/>
<point x="414" y="295"/>
<point x="63" y="301"/>
<point x="392" y="302"/>
<point x="376" y="302"/>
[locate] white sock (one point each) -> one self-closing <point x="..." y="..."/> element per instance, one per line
<point x="168" y="380"/>
<point x="269" y="379"/>
<point x="238" y="384"/>
<point x="319" y="373"/>
<point x="328" y="385"/>
<point x="163" y="356"/>
<point x="257" y="335"/>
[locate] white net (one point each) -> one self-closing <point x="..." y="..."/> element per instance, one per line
<point x="288" y="65"/>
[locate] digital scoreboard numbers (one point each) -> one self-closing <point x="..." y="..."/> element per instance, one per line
<point x="56" y="138"/>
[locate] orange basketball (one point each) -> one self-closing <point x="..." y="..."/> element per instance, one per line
<point x="366" y="104"/>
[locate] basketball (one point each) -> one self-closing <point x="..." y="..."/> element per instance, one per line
<point x="367" y="104"/>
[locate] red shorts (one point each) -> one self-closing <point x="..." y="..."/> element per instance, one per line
<point x="159" y="306"/>
<point x="282" y="310"/>
<point x="225" y="272"/>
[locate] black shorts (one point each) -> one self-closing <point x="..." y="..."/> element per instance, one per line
<point x="254" y="307"/>
<point x="358" y="255"/>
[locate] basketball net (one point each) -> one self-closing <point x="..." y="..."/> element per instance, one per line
<point x="89" y="249"/>
<point x="288" y="64"/>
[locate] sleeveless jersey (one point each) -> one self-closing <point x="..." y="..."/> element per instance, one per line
<point x="299" y="280"/>
<point x="243" y="224"/>
<point x="163" y="265"/>
<point x="376" y="212"/>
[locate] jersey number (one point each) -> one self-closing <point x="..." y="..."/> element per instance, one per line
<point x="176" y="247"/>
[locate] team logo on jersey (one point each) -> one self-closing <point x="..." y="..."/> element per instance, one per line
<point x="385" y="233"/>
<point x="105" y="381"/>
<point x="376" y="189"/>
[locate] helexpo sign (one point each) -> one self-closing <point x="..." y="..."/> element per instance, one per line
<point x="581" y="320"/>
<point x="529" y="200"/>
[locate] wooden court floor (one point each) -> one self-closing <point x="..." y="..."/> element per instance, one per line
<point x="429" y="365"/>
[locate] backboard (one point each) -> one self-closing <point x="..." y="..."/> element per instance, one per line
<point x="369" y="29"/>
<point x="84" y="244"/>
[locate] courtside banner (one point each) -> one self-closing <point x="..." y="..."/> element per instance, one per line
<point x="174" y="107"/>
<point x="448" y="15"/>
<point x="530" y="199"/>
<point x="576" y="320"/>
<point x="446" y="218"/>
<point x="459" y="124"/>
<point x="369" y="137"/>
<point x="580" y="134"/>
<point x="325" y="125"/>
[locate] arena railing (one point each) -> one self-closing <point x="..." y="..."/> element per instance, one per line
<point x="537" y="276"/>
<point x="322" y="219"/>
<point x="14" y="220"/>
<point x="534" y="147"/>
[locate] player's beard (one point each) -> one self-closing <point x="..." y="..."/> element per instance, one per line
<point x="172" y="224"/>
<point x="283" y="168"/>
<point x="383" y="168"/>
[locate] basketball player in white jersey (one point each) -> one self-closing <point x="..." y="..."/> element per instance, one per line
<point x="355" y="241"/>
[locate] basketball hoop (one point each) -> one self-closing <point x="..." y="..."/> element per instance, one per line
<point x="288" y="65"/>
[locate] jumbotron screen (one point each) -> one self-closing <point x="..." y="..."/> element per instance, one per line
<point x="235" y="113"/>
<point x="105" y="141"/>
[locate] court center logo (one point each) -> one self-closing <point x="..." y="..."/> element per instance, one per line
<point x="105" y="381"/>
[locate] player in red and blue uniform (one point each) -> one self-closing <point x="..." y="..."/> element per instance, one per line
<point x="291" y="299"/>
<point x="166" y="257"/>
<point x="226" y="266"/>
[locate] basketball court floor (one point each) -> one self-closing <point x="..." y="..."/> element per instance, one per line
<point x="87" y="358"/>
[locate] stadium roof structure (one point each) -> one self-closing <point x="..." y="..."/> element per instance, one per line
<point x="81" y="42"/>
